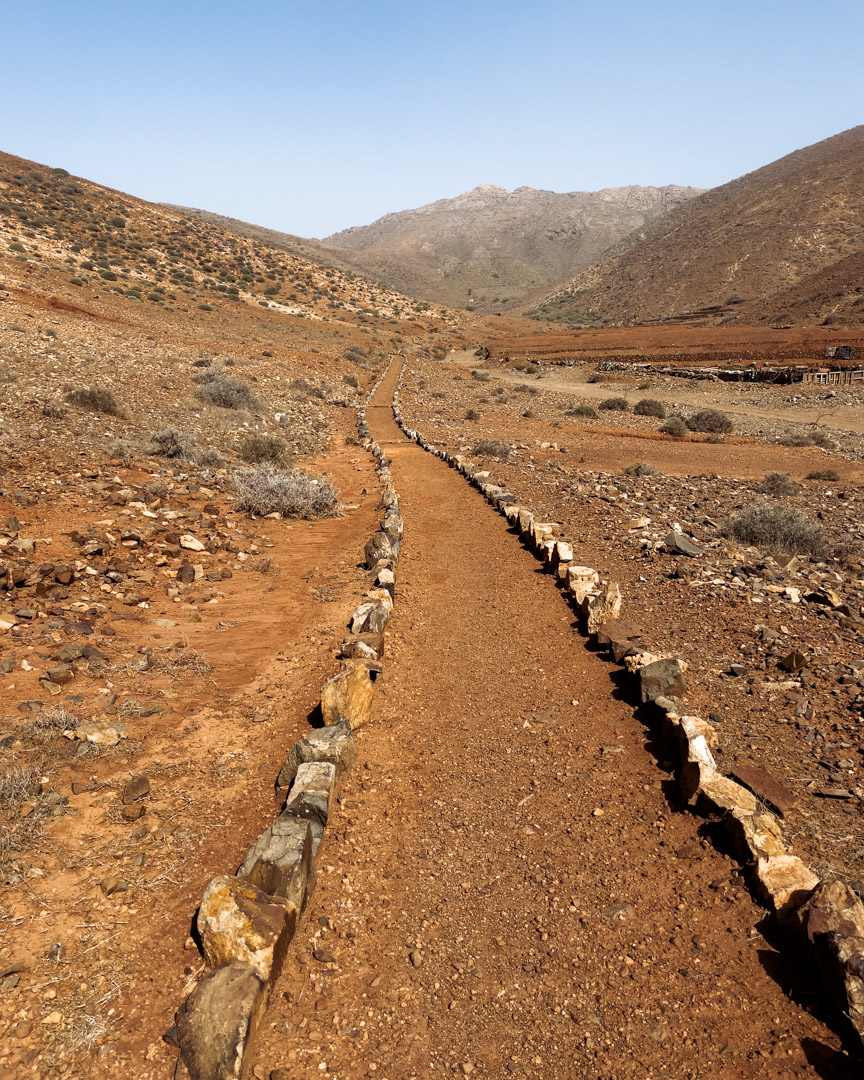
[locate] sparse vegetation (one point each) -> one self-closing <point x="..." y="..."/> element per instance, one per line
<point x="492" y="448"/>
<point x="710" y="421"/>
<point x="225" y="391"/>
<point x="266" y="489"/>
<point x="642" y="468"/>
<point x="614" y="404"/>
<point x="171" y="443"/>
<point x="472" y="414"/>
<point x="101" y="399"/>
<point x="582" y="410"/>
<point x="824" y="474"/>
<point x="258" y="448"/>
<point x="779" y="484"/>
<point x="650" y="407"/>
<point x="776" y="528"/>
<point x="674" y="426"/>
<point x="481" y="376"/>
<point x="351" y="380"/>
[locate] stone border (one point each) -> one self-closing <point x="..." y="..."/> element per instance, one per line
<point x="246" y="921"/>
<point x="826" y="917"/>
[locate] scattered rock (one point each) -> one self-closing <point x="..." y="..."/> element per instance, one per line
<point x="766" y="787"/>
<point x="678" y="542"/>
<point x="135" y="788"/>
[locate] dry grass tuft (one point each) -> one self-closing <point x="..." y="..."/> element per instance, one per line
<point x="265" y="489"/>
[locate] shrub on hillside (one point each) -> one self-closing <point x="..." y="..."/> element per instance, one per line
<point x="582" y="410"/>
<point x="777" y="528"/>
<point x="225" y="391"/>
<point x="258" y="448"/>
<point x="171" y="443"/>
<point x="674" y="426"/>
<point x="822" y="439"/>
<point x="351" y="380"/>
<point x="492" y="448"/>
<point x="472" y="414"/>
<point x="650" y="407"/>
<point x="642" y="468"/>
<point x="779" y="484"/>
<point x="481" y="376"/>
<point x="712" y="421"/>
<point x="265" y="489"/>
<point x="824" y="474"/>
<point x="614" y="404"/>
<point x="100" y="399"/>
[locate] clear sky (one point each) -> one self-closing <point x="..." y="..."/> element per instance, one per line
<point x="309" y="117"/>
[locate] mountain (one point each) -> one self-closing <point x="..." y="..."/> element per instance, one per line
<point x="750" y="240"/>
<point x="492" y="246"/>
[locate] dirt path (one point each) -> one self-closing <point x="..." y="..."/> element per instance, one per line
<point x="504" y="890"/>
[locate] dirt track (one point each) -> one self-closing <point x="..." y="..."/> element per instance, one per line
<point x="505" y="890"/>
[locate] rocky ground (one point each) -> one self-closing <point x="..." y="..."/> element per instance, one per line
<point x="773" y="641"/>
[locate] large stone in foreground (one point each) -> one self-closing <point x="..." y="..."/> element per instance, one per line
<point x="663" y="678"/>
<point x="348" y="696"/>
<point x="240" y="923"/>
<point x="833" y="920"/>
<point x="280" y="861"/>
<point x="334" y="744"/>
<point x="217" y="1023"/>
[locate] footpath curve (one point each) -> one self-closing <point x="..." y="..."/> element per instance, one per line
<point x="504" y="891"/>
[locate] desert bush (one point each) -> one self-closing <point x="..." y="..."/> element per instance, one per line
<point x="796" y="440"/>
<point x="777" y="528"/>
<point x="823" y="439"/>
<point x="55" y="410"/>
<point x="824" y="474"/>
<point x="614" y="404"/>
<point x="265" y="489"/>
<point x="650" y="407"/>
<point x="492" y="448"/>
<point x="675" y="426"/>
<point x="472" y="414"/>
<point x="711" y="421"/>
<point x="642" y="468"/>
<point x="171" y="443"/>
<point x="524" y="388"/>
<point x="209" y="459"/>
<point x="778" y="484"/>
<point x="582" y="410"/>
<point x="351" y="380"/>
<point x="481" y="376"/>
<point x="202" y="363"/>
<point x="646" y="384"/>
<point x="258" y="448"/>
<point x="125" y="451"/>
<point x="225" y="391"/>
<point x="596" y="378"/>
<point x="100" y="399"/>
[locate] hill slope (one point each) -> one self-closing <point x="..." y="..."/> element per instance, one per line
<point x="497" y="246"/>
<point x="754" y="237"/>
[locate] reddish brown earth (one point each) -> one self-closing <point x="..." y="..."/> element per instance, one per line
<point x="506" y="889"/>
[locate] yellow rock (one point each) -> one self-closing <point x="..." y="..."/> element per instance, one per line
<point x="348" y="696"/>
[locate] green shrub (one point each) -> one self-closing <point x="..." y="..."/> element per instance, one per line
<point x="258" y="448"/>
<point x="225" y="391"/>
<point x="778" y="484"/>
<point x="582" y="410"/>
<point x="614" y="404"/>
<point x="674" y="426"/>
<point x="492" y="448"/>
<point x="642" y="468"/>
<point x="650" y="407"/>
<point x="264" y="489"/>
<point x="777" y="528"/>
<point x="711" y="421"/>
<point x="824" y="474"/>
<point x="95" y="399"/>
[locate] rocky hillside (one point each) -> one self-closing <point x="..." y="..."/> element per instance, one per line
<point x="490" y="247"/>
<point x="754" y="239"/>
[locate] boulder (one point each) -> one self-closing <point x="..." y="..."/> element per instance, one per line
<point x="218" y="1022"/>
<point x="580" y="581"/>
<point x="280" y="861"/>
<point x="662" y="678"/>
<point x="679" y="543"/>
<point x="348" y="696"/>
<point x="713" y="793"/>
<point x="599" y="607"/>
<point x="309" y="798"/>
<point x="240" y="923"/>
<point x="371" y="617"/>
<point x="334" y="744"/>
<point x="754" y="835"/>
<point x="784" y="882"/>
<point x="767" y="787"/>
<point x="378" y="548"/>
<point x="362" y="647"/>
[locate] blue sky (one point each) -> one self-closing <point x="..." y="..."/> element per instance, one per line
<point x="312" y="117"/>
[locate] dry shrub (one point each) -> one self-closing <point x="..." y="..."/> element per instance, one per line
<point x="674" y="426"/>
<point x="582" y="410"/>
<point x="481" y="376"/>
<point x="614" y="404"/>
<point x="492" y="448"/>
<point x="100" y="399"/>
<point x="263" y="565"/>
<point x="472" y="414"/>
<point x="266" y="489"/>
<point x="225" y="391"/>
<point x="181" y="660"/>
<point x="824" y="474"/>
<point x="776" y="528"/>
<point x="642" y="468"/>
<point x="710" y="421"/>
<point x="171" y="443"/>
<point x="54" y="410"/>
<point x="650" y="407"/>
<point x="779" y="484"/>
<point x="258" y="448"/>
